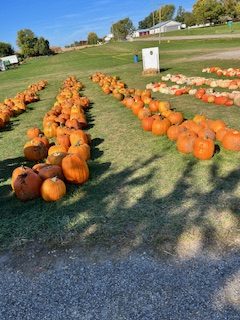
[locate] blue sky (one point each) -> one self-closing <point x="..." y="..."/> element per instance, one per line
<point x="64" y="21"/>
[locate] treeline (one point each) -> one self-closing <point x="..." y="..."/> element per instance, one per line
<point x="217" y="11"/>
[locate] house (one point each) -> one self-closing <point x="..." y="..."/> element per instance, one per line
<point x="163" y="26"/>
<point x="108" y="37"/>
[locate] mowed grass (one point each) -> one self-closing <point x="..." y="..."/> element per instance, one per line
<point x="217" y="29"/>
<point x="141" y="192"/>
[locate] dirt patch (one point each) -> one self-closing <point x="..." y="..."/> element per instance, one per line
<point x="218" y="55"/>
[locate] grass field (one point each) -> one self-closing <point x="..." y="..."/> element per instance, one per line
<point x="217" y="29"/>
<point x="142" y="192"/>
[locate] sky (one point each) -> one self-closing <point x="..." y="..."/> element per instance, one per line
<point x="64" y="21"/>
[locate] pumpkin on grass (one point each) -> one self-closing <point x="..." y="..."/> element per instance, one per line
<point x="50" y="171"/>
<point x="186" y="141"/>
<point x="203" y="148"/>
<point x="16" y="172"/>
<point x="57" y="148"/>
<point x="35" y="150"/>
<point x="33" y="132"/>
<point x="160" y="126"/>
<point x="83" y="150"/>
<point x="231" y="140"/>
<point x="75" y="169"/>
<point x="27" y="185"/>
<point x="53" y="189"/>
<point x="56" y="158"/>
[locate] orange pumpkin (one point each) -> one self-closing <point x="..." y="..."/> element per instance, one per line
<point x="186" y="141"/>
<point x="203" y="148"/>
<point x="35" y="150"/>
<point x="160" y="126"/>
<point x="27" y="185"/>
<point x="53" y="189"/>
<point x="75" y="169"/>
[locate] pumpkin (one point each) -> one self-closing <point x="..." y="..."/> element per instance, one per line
<point x="50" y="171"/>
<point x="33" y="132"/>
<point x="35" y="150"/>
<point x="163" y="106"/>
<point x="27" y="185"/>
<point x="39" y="166"/>
<point x="57" y="148"/>
<point x="153" y="106"/>
<point x="83" y="150"/>
<point x="147" y="123"/>
<point x="174" y="131"/>
<point x="198" y="118"/>
<point x="206" y="133"/>
<point x="42" y="139"/>
<point x="16" y="172"/>
<point x="63" y="140"/>
<point x="53" y="189"/>
<point x="137" y="106"/>
<point x="75" y="169"/>
<point x="217" y="125"/>
<point x="78" y="136"/>
<point x="221" y="133"/>
<point x="144" y="113"/>
<point x="50" y="129"/>
<point x="160" y="126"/>
<point x="203" y="148"/>
<point x="175" y="117"/>
<point x="231" y="140"/>
<point x="186" y="141"/>
<point x="56" y="158"/>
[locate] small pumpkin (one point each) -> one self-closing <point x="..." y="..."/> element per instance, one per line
<point x="56" y="158"/>
<point x="186" y="141"/>
<point x="57" y="148"/>
<point x="160" y="126"/>
<point x="33" y="132"/>
<point x="83" y="150"/>
<point x="53" y="189"/>
<point x="50" y="171"/>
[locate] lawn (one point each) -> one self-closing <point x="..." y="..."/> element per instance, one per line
<point x="142" y="192"/>
<point x="217" y="29"/>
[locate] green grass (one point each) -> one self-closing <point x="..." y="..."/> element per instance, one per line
<point x="141" y="191"/>
<point x="217" y="29"/>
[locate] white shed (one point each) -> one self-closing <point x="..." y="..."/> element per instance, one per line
<point x="165" y="26"/>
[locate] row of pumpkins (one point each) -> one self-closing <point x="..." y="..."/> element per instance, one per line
<point x="59" y="161"/>
<point x="208" y="95"/>
<point x="230" y="72"/>
<point x="196" y="136"/>
<point x="12" y="107"/>
<point x="200" y="81"/>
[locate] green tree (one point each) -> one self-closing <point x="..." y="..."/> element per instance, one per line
<point x="30" y="45"/>
<point x="6" y="49"/>
<point x="122" y="28"/>
<point x="207" y="10"/>
<point x="41" y="47"/>
<point x="92" y="38"/>
<point x="180" y="14"/>
<point x="153" y="18"/>
<point x="167" y="12"/>
<point x="189" y="19"/>
<point x="230" y="8"/>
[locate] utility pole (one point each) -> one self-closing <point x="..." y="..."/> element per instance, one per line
<point x="153" y="18"/>
<point x="160" y="19"/>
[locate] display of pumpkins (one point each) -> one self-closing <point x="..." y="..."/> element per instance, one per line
<point x="230" y="72"/>
<point x="12" y="107"/>
<point x="197" y="136"/>
<point x="65" y="157"/>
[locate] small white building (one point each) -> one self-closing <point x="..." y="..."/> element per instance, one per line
<point x="108" y="37"/>
<point x="164" y="26"/>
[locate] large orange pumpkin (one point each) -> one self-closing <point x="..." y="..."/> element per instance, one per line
<point x="160" y="126"/>
<point x="75" y="169"/>
<point x="83" y="150"/>
<point x="35" y="150"/>
<point x="186" y="141"/>
<point x="203" y="148"/>
<point x="27" y="186"/>
<point x="231" y="140"/>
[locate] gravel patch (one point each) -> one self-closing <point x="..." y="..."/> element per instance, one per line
<point x="135" y="287"/>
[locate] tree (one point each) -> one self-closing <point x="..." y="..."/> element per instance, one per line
<point x="207" y="10"/>
<point x="6" y="49"/>
<point x="153" y="18"/>
<point x="30" y="45"/>
<point x="41" y="47"/>
<point x="230" y="8"/>
<point x="167" y="12"/>
<point x="189" y="19"/>
<point x="180" y="14"/>
<point x="92" y="38"/>
<point x="122" y="28"/>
